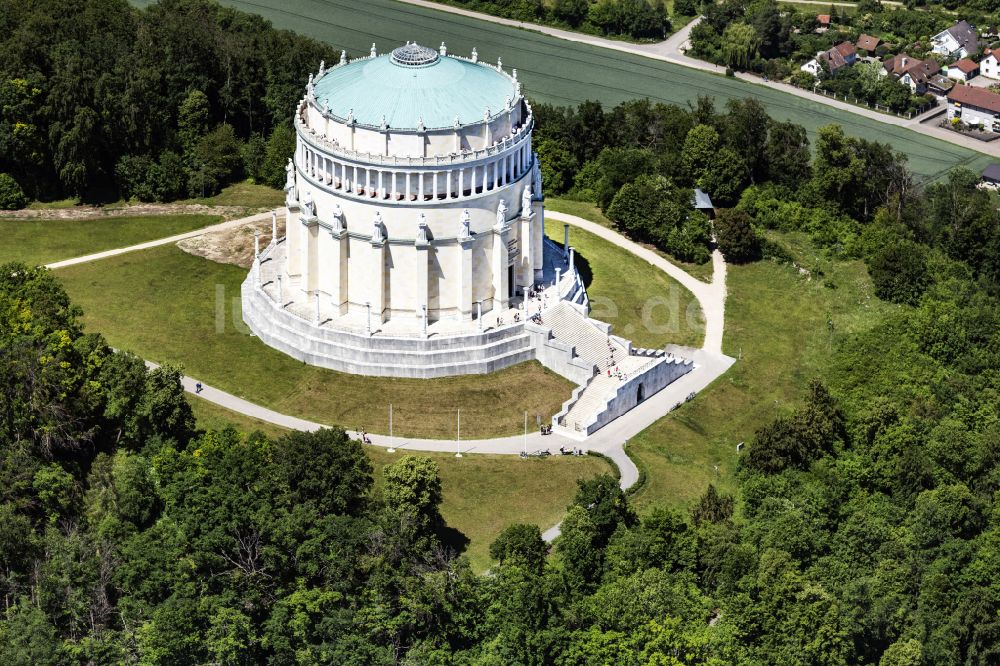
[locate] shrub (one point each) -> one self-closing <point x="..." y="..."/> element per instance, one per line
<point x="736" y="236"/>
<point x="11" y="195"/>
<point x="899" y="272"/>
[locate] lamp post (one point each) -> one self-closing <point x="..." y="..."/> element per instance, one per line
<point x="458" y="436"/>
<point x="317" y="308"/>
<point x="565" y="241"/>
<point x="281" y="298"/>
<point x="479" y="315"/>
<point x="525" y="435"/>
<point x="423" y="320"/>
<point x="274" y="228"/>
<point x="368" y="322"/>
<point x="391" y="449"/>
<point x="256" y="244"/>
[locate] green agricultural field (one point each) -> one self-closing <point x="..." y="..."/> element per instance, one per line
<point x="167" y="305"/>
<point x="776" y="326"/>
<point x="45" y="241"/>
<point x="482" y="493"/>
<point x="563" y="72"/>
<point x="642" y="303"/>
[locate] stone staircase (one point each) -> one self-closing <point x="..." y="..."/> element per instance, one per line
<point x="594" y="398"/>
<point x="573" y="328"/>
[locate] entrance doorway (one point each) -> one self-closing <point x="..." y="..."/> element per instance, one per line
<point x="640" y="393"/>
<point x="510" y="282"/>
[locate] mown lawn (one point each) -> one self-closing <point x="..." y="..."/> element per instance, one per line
<point x="44" y="241"/>
<point x="642" y="303"/>
<point x="567" y="73"/>
<point x="776" y="326"/>
<point x="482" y="493"/>
<point x="592" y="213"/>
<point x="169" y="306"/>
<point x="248" y="195"/>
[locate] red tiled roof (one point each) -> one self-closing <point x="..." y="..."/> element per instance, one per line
<point x="823" y="18"/>
<point x="978" y="97"/>
<point x="846" y="49"/>
<point x="965" y="65"/>
<point x="835" y="58"/>
<point x="868" y="43"/>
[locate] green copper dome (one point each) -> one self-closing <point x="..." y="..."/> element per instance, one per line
<point x="411" y="84"/>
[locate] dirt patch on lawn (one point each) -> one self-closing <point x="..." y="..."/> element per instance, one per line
<point x="85" y="212"/>
<point x="233" y="245"/>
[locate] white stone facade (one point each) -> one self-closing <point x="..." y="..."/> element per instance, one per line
<point x="402" y="219"/>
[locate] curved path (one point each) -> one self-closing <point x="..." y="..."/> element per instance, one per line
<point x="610" y="440"/>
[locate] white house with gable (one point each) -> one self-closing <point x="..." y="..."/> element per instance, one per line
<point x="958" y="41"/>
<point x="989" y="66"/>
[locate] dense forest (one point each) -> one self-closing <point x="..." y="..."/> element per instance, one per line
<point x="99" y="99"/>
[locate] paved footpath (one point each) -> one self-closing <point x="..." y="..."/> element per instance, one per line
<point x="671" y="50"/>
<point x="610" y="440"/>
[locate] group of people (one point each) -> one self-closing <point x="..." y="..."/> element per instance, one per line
<point x="365" y="439"/>
<point x="570" y="452"/>
<point x="617" y="373"/>
<point x="611" y="363"/>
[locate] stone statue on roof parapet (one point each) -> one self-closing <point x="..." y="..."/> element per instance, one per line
<point x="501" y="214"/>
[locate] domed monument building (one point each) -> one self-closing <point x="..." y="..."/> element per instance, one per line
<point x="414" y="243"/>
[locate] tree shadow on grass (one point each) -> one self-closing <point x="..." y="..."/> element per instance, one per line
<point x="453" y="538"/>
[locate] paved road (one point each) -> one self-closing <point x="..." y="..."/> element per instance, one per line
<point x="610" y="440"/>
<point x="670" y="50"/>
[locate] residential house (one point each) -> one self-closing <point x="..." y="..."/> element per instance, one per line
<point x="840" y="56"/>
<point x="991" y="176"/>
<point x="989" y="65"/>
<point x="975" y="106"/>
<point x="824" y="23"/>
<point x="847" y="52"/>
<point x="958" y="41"/>
<point x="910" y="71"/>
<point x="963" y="70"/>
<point x="868" y="44"/>
<point x="813" y="67"/>
<point x="940" y="85"/>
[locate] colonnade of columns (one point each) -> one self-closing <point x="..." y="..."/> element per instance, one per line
<point x="454" y="182"/>
<point x="318" y="258"/>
